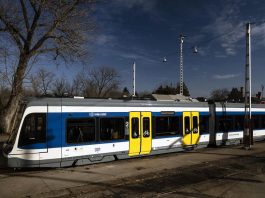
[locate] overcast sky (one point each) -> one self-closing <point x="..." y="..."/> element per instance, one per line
<point x="147" y="30"/>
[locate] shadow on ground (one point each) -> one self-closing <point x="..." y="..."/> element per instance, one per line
<point x="171" y="182"/>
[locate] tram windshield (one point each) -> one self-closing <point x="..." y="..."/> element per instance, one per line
<point x="33" y="129"/>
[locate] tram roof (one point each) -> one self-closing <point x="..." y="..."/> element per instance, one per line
<point x="110" y="102"/>
<point x="125" y="103"/>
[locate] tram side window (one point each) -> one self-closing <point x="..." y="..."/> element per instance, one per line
<point x="255" y="122"/>
<point x="135" y="127"/>
<point x="224" y="124"/>
<point x="167" y="125"/>
<point x="187" y="124"/>
<point x="239" y="122"/>
<point x="195" y="124"/>
<point x="112" y="128"/>
<point x="146" y="127"/>
<point x="263" y="121"/>
<point x="204" y="124"/>
<point x="229" y="123"/>
<point x="33" y="129"/>
<point x="127" y="128"/>
<point x="80" y="130"/>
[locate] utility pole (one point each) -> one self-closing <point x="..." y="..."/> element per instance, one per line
<point x="262" y="89"/>
<point x="181" y="64"/>
<point x="248" y="133"/>
<point x="134" y="68"/>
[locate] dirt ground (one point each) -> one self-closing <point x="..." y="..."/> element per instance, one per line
<point x="210" y="172"/>
<point x="234" y="177"/>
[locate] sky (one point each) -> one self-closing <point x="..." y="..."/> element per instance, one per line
<point x="145" y="31"/>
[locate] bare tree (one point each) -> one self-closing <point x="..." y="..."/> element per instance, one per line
<point x="5" y="80"/>
<point x="103" y="80"/>
<point x="219" y="94"/>
<point x="34" y="28"/>
<point x="79" y="84"/>
<point x="61" y="87"/>
<point x="42" y="82"/>
<point x="90" y="89"/>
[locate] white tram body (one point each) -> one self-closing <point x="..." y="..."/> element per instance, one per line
<point x="65" y="132"/>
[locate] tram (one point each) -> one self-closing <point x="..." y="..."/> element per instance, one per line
<point x="62" y="132"/>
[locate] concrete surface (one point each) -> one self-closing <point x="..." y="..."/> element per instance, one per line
<point x="210" y="172"/>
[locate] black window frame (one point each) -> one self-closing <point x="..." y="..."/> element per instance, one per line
<point x="204" y="123"/>
<point x="111" y="139"/>
<point x="158" y="132"/>
<point x="81" y="142"/>
<point x="195" y="124"/>
<point x="187" y="124"/>
<point x="36" y="136"/>
<point x="137" y="134"/>
<point x="239" y="122"/>
<point x="146" y="127"/>
<point x="225" y="124"/>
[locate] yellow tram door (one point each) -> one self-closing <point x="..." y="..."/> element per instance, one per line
<point x="191" y="131"/>
<point x="195" y="132"/>
<point x="135" y="133"/>
<point x="146" y="138"/>
<point x="140" y="133"/>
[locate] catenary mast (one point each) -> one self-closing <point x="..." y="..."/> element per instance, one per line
<point x="181" y="65"/>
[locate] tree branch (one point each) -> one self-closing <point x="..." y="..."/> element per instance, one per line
<point x="41" y="51"/>
<point x="25" y="15"/>
<point x="34" y="22"/>
<point x="47" y="35"/>
<point x="3" y="29"/>
<point x="33" y="5"/>
<point x="13" y="32"/>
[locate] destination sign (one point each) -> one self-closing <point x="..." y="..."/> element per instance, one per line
<point x="167" y="112"/>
